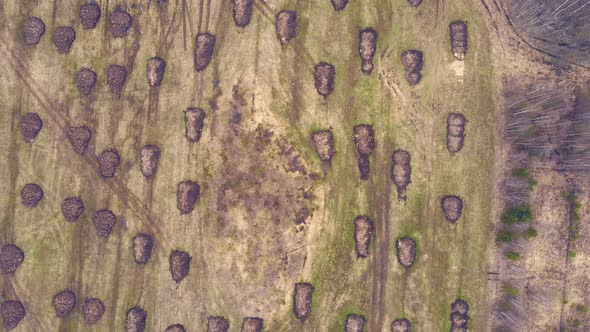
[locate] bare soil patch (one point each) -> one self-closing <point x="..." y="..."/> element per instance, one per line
<point x="116" y="76"/>
<point x="401" y="172"/>
<point x="363" y="232"/>
<point x="286" y="25"/>
<point x="142" y="247"/>
<point x="31" y="194"/>
<point x="150" y="154"/>
<point x="92" y="310"/>
<point x="175" y="328"/>
<point x="72" y="208"/>
<point x="64" y="302"/>
<point x="33" y="29"/>
<point x="452" y="207"/>
<point x="339" y="4"/>
<point x="412" y="62"/>
<point x="415" y="3"/>
<point x="85" y="80"/>
<point x="12" y="313"/>
<point x="242" y="12"/>
<point x="89" y="15"/>
<point x="104" y="221"/>
<point x="11" y="257"/>
<point x="406" y="251"/>
<point x="458" y="34"/>
<point x="354" y="323"/>
<point x="459" y="314"/>
<point x="79" y="138"/>
<point x="179" y="265"/>
<point x="63" y="38"/>
<point x="194" y="120"/>
<point x="364" y="139"/>
<point x="302" y="300"/>
<point x="217" y="324"/>
<point x="455" y="132"/>
<point x="252" y="324"/>
<point x="324" y="78"/>
<point x="401" y="325"/>
<point x="135" y="320"/>
<point x="367" y="49"/>
<point x="155" y="70"/>
<point x="108" y="161"/>
<point x="187" y="195"/>
<point x="324" y="144"/>
<point x="204" y="50"/>
<point x="30" y="126"/>
<point x="121" y="22"/>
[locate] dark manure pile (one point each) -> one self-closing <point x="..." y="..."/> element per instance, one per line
<point x="30" y="126"/>
<point x="354" y="323"/>
<point x="85" y="80"/>
<point x="286" y="26"/>
<point x="412" y="61"/>
<point x="406" y="251"/>
<point x="401" y="325"/>
<point x="415" y="3"/>
<point x="11" y="257"/>
<point x="339" y="4"/>
<point x="63" y="38"/>
<point x="79" y="138"/>
<point x="104" y="221"/>
<point x="150" y="154"/>
<point x="135" y="320"/>
<point x="217" y="324"/>
<point x="452" y="207"/>
<point x="364" y="141"/>
<point x="12" y="313"/>
<point x="89" y="15"/>
<point x="242" y="12"/>
<point x="108" y="161"/>
<point x="458" y="33"/>
<point x="324" y="144"/>
<point x="455" y="132"/>
<point x="116" y="76"/>
<point x="302" y="300"/>
<point x="252" y="324"/>
<point x="175" y="328"/>
<point x="142" y="248"/>
<point x="180" y="264"/>
<point x="155" y="70"/>
<point x="363" y="232"/>
<point x="31" y="194"/>
<point x="92" y="310"/>
<point x="459" y="315"/>
<point x="194" y="120"/>
<point x="72" y="208"/>
<point x="323" y="76"/>
<point x="204" y="50"/>
<point x="401" y="172"/>
<point x="121" y="22"/>
<point x="187" y="195"/>
<point x="367" y="49"/>
<point x="64" y="302"/>
<point x="33" y="29"/>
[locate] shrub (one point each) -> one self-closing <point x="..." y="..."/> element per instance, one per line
<point x="517" y="214"/>
<point x="505" y="236"/>
<point x="512" y="255"/>
<point x="582" y="308"/>
<point x="530" y="233"/>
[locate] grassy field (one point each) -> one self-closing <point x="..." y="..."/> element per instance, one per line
<point x="275" y="88"/>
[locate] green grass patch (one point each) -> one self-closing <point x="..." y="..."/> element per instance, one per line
<point x="511" y="290"/>
<point x="512" y="255"/>
<point x="530" y="233"/>
<point x="517" y="214"/>
<point x="571" y="254"/>
<point x="505" y="236"/>
<point x="524" y="174"/>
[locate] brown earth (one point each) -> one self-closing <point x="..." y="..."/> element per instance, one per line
<point x="324" y="75"/>
<point x="367" y="49"/>
<point x="30" y="126"/>
<point x="85" y="80"/>
<point x="104" y="221"/>
<point x="401" y="325"/>
<point x="364" y="139"/>
<point x="452" y="207"/>
<point x="455" y="132"/>
<point x="194" y="120"/>
<point x="205" y="43"/>
<point x="412" y="62"/>
<point x="354" y="323"/>
<point x="135" y="320"/>
<point x="72" y="208"/>
<point x="142" y="247"/>
<point x="121" y="22"/>
<point x="339" y="4"/>
<point x="406" y="251"/>
<point x="458" y="34"/>
<point x="108" y="161"/>
<point x="89" y="15"/>
<point x="63" y="38"/>
<point x="286" y="26"/>
<point x="324" y="144"/>
<point x="116" y="76"/>
<point x="31" y="194"/>
<point x="363" y="232"/>
<point x="401" y="172"/>
<point x="64" y="302"/>
<point x="150" y="154"/>
<point x="217" y="324"/>
<point x="92" y="310"/>
<point x="155" y="70"/>
<point x="179" y="265"/>
<point x="252" y="324"/>
<point x="11" y="257"/>
<point x="79" y="138"/>
<point x="33" y="30"/>
<point x="302" y="300"/>
<point x="187" y="195"/>
<point x="12" y="313"/>
<point x="175" y="328"/>
<point x="415" y="3"/>
<point x="242" y="12"/>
